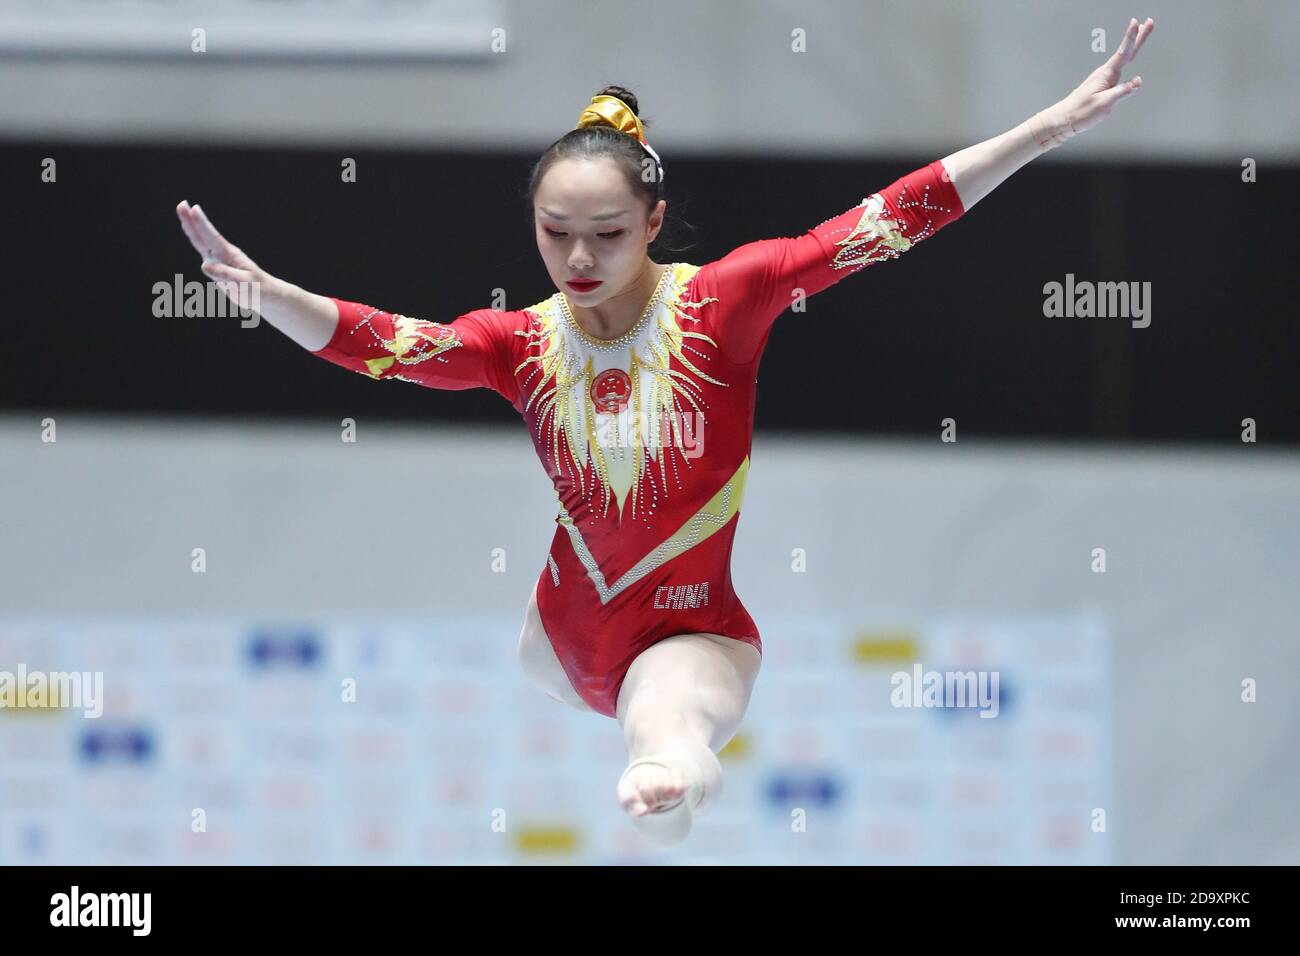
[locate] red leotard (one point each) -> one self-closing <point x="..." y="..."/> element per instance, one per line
<point x="646" y="438"/>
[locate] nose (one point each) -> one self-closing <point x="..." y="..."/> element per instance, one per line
<point x="580" y="259"/>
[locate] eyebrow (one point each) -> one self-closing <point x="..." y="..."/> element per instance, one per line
<point x="600" y="218"/>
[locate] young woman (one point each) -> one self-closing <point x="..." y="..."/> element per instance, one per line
<point x="636" y="380"/>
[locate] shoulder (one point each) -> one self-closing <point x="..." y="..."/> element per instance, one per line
<point x="744" y="263"/>
<point x="544" y="311"/>
<point x="497" y="323"/>
<point x="682" y="281"/>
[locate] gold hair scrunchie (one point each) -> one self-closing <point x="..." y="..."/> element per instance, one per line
<point x="605" y="110"/>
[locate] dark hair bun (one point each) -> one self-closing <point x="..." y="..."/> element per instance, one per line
<point x="627" y="96"/>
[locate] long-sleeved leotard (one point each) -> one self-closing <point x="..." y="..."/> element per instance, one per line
<point x="646" y="438"/>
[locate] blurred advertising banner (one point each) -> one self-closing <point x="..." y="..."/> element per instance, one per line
<point x="911" y="739"/>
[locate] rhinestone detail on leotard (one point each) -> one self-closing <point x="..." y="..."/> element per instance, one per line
<point x="879" y="234"/>
<point x="660" y="396"/>
<point x="613" y="345"/>
<point x="414" y="341"/>
<point x="713" y="516"/>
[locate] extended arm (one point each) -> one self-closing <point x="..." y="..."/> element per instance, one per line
<point x="305" y="317"/>
<point x="469" y="352"/>
<point x="766" y="276"/>
<point x="977" y="170"/>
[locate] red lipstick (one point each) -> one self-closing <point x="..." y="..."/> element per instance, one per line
<point x="583" y="285"/>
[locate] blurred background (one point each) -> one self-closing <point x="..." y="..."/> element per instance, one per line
<point x="1147" y="713"/>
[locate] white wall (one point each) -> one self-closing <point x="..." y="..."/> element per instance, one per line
<point x="879" y="77"/>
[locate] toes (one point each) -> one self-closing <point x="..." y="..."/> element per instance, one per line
<point x="674" y="790"/>
<point x="669" y="791"/>
<point x="652" y="789"/>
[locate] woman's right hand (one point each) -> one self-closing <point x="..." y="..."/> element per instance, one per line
<point x="307" y="318"/>
<point x="225" y="263"/>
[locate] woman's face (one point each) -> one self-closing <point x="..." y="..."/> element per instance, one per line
<point x="590" y="225"/>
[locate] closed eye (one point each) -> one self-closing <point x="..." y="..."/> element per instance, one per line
<point x="604" y="235"/>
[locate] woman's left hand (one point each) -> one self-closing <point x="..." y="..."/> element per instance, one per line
<point x="1092" y="100"/>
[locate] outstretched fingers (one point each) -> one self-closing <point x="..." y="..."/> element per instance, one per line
<point x="1134" y="37"/>
<point x="219" y="270"/>
<point x="230" y="270"/>
<point x="1112" y="90"/>
<point x="187" y="226"/>
<point x="215" y="244"/>
<point x="209" y="243"/>
<point x="1120" y="91"/>
<point x="1144" y="31"/>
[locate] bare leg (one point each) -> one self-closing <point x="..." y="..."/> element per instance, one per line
<point x="681" y="702"/>
<point x="537" y="657"/>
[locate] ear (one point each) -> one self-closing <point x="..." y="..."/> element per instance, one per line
<point x="655" y="222"/>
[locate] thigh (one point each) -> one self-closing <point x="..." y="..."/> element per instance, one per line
<point x="537" y="657"/>
<point x="697" y="683"/>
